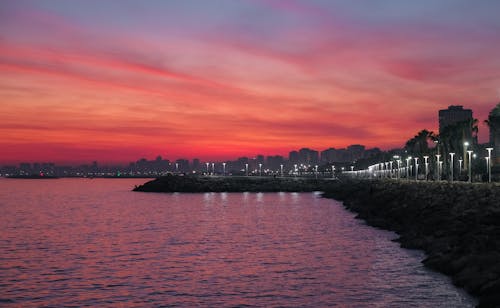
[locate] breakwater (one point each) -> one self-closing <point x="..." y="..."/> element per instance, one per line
<point x="457" y="225"/>
<point x="233" y="184"/>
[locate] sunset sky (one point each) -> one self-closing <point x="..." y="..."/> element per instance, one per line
<point x="114" y="81"/>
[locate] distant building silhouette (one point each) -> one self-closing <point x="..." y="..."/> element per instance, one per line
<point x="453" y="115"/>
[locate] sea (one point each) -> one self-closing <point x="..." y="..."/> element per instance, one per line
<point x="93" y="242"/>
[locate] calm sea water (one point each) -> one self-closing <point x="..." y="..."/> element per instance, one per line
<point x="82" y="242"/>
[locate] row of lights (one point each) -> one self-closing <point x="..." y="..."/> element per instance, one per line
<point x="379" y="168"/>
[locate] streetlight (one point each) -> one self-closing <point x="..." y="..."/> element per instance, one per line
<point x="281" y="170"/>
<point x="451" y="165"/>
<point x="390" y="167"/>
<point x="333" y="171"/>
<point x="260" y="169"/>
<point x="396" y="157"/>
<point x="246" y="169"/>
<point x="295" y="169"/>
<point x="223" y="169"/>
<point x="459" y="168"/>
<point x="437" y="166"/>
<point x="469" y="152"/>
<point x="408" y="168"/>
<point x="213" y="168"/>
<point x="426" y="158"/>
<point x="489" y="163"/>
<point x="466" y="144"/>
<point x="176" y="167"/>
<point x="416" y="168"/>
<point x="207" y="167"/>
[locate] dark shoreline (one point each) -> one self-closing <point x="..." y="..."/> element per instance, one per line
<point x="457" y="225"/>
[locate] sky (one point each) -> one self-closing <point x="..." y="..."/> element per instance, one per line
<point x="117" y="80"/>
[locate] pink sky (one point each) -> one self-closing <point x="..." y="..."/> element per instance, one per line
<point x="115" y="81"/>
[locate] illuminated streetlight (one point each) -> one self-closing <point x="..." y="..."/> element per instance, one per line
<point x="396" y="157"/>
<point x="281" y="169"/>
<point x="213" y="168"/>
<point x="207" y="167"/>
<point x="416" y="168"/>
<point x="333" y="171"/>
<point x="470" y="165"/>
<point x="426" y="160"/>
<point x="437" y="166"/>
<point x="459" y="168"/>
<point x="451" y="165"/>
<point x="260" y="169"/>
<point x="466" y="144"/>
<point x="246" y="169"/>
<point x="489" y="163"/>
<point x="223" y="168"/>
<point x="408" y="167"/>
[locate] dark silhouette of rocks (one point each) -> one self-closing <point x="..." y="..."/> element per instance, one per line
<point x="233" y="184"/>
<point x="457" y="225"/>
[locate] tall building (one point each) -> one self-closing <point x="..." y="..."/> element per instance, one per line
<point x="308" y="156"/>
<point x="453" y="115"/>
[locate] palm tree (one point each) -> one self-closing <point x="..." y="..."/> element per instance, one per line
<point x="419" y="144"/>
<point x="494" y="125"/>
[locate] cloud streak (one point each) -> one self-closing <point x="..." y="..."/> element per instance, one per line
<point x="218" y="83"/>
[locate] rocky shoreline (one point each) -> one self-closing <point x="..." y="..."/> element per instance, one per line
<point x="234" y="184"/>
<point x="457" y="225"/>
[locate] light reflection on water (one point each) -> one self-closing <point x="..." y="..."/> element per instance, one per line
<point x="93" y="242"/>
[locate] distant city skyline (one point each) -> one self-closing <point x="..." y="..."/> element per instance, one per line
<point x="117" y="80"/>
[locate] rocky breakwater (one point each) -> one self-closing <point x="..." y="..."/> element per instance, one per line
<point x="457" y="225"/>
<point x="233" y="184"/>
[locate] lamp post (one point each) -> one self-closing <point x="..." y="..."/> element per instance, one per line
<point x="399" y="168"/>
<point x="333" y="171"/>
<point x="390" y="167"/>
<point x="489" y="163"/>
<point x="469" y="152"/>
<point x="281" y="170"/>
<point x="396" y="157"/>
<point x="451" y="165"/>
<point x="213" y="168"/>
<point x="246" y="169"/>
<point x="426" y="161"/>
<point x="459" y="168"/>
<point x="408" y="167"/>
<point x="466" y="145"/>
<point x="437" y="166"/>
<point x="260" y="169"/>
<point x="223" y="169"/>
<point x="207" y="168"/>
<point x="416" y="168"/>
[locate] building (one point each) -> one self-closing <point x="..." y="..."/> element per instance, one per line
<point x="308" y="156"/>
<point x="452" y="116"/>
